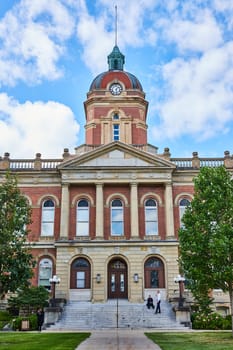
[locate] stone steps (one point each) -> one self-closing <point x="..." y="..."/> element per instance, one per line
<point x="114" y="314"/>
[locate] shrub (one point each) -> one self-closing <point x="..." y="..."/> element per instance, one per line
<point x="4" y="318"/>
<point x="17" y="322"/>
<point x="210" y="321"/>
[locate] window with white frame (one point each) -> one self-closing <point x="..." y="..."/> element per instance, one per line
<point x="117" y="218"/>
<point x="184" y="203"/>
<point x="48" y="216"/>
<point x="45" y="273"/>
<point x="151" y="217"/>
<point x="82" y="223"/>
<point x="116" y="132"/>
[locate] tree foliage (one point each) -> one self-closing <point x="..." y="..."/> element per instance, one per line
<point x="31" y="298"/>
<point x="206" y="240"/>
<point x="16" y="262"/>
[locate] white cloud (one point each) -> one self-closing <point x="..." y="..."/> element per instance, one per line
<point x="32" y="36"/>
<point x="200" y="34"/>
<point x="199" y="95"/>
<point x="39" y="127"/>
<point x="223" y="5"/>
<point x="97" y="34"/>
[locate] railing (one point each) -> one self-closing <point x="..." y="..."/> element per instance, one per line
<point x="182" y="162"/>
<point x="211" y="162"/>
<point x="187" y="163"/>
<point x="20" y="164"/>
<point x="51" y="164"/>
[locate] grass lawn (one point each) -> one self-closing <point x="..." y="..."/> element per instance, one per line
<point x="193" y="340"/>
<point x="39" y="341"/>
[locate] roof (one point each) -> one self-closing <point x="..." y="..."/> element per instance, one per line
<point x="116" y="71"/>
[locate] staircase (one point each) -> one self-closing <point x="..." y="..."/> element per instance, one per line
<point x="114" y="314"/>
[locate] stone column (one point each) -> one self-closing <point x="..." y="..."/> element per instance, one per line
<point x="169" y="211"/>
<point x="134" y="210"/>
<point x="99" y="211"/>
<point x="64" y="227"/>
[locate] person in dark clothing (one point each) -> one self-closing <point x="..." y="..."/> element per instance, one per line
<point x="40" y="318"/>
<point x="150" y="302"/>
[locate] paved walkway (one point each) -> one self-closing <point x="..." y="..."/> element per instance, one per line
<point x="125" y="339"/>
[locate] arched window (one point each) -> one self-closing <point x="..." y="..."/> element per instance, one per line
<point x="45" y="273"/>
<point x="80" y="274"/>
<point x="151" y="217"/>
<point x="48" y="215"/>
<point x="115" y="116"/>
<point x="117" y="218"/>
<point x="82" y="218"/>
<point x="154" y="273"/>
<point x="184" y="203"/>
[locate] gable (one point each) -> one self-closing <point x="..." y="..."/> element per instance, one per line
<point x="120" y="156"/>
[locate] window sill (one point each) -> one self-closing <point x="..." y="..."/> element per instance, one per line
<point x="117" y="238"/>
<point x="152" y="238"/>
<point x="46" y="238"/>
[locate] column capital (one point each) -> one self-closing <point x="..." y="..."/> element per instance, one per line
<point x="99" y="183"/>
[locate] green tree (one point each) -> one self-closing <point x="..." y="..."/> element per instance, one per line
<point x="30" y="298"/>
<point x="16" y="262"/>
<point x="206" y="240"/>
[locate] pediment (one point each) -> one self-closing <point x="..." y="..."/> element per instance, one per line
<point x="116" y="155"/>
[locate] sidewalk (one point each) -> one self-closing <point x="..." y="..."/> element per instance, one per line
<point x="118" y="339"/>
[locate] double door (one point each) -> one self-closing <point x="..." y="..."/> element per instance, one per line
<point x="117" y="280"/>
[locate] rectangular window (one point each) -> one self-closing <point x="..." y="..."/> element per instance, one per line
<point x="82" y="228"/>
<point x="80" y="281"/>
<point x="122" y="282"/>
<point x="117" y="221"/>
<point x="47" y="228"/>
<point x="45" y="274"/>
<point x="116" y="132"/>
<point x="151" y="221"/>
<point x="113" y="283"/>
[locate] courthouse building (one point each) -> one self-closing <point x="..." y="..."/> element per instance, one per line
<point x="105" y="218"/>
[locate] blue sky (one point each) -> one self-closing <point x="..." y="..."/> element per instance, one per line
<point x="181" y="51"/>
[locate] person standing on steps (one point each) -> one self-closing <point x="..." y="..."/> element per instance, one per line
<point x="158" y="299"/>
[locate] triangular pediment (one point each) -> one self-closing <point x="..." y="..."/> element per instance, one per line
<point x="118" y="155"/>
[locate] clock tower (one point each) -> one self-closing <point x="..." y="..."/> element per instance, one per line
<point x="116" y="108"/>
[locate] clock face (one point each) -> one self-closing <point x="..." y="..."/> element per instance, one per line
<point x="116" y="89"/>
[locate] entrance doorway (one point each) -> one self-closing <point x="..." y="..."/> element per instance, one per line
<point x="117" y="279"/>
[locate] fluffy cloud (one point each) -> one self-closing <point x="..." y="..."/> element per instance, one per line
<point x="199" y="99"/>
<point x="198" y="35"/>
<point x="97" y="33"/>
<point x="185" y="57"/>
<point x="30" y="128"/>
<point x="32" y="37"/>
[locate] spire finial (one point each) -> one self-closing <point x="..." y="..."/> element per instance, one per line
<point x="115" y="25"/>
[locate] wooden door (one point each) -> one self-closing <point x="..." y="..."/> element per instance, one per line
<point x="117" y="280"/>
